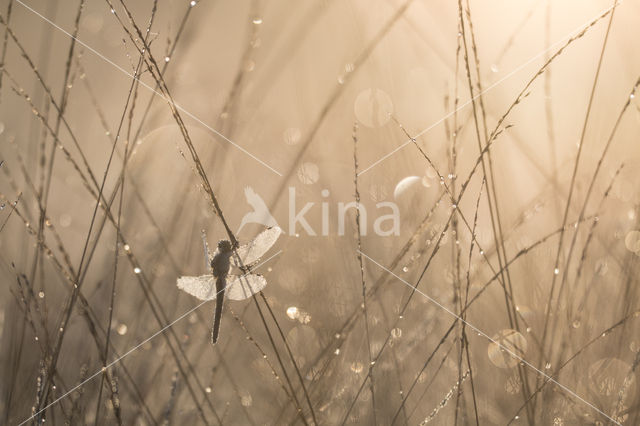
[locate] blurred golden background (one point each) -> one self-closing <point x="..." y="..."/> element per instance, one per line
<point x="523" y="260"/>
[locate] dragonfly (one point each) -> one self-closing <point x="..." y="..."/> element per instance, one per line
<point x="220" y="283"/>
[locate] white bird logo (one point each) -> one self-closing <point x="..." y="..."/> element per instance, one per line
<point x="260" y="213"/>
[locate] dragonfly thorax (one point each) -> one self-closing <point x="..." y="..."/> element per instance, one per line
<point x="221" y="262"/>
<point x="224" y="246"/>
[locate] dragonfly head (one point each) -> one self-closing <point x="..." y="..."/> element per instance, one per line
<point x="224" y="246"/>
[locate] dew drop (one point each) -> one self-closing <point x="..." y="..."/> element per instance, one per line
<point x="137" y="270"/>
<point x="122" y="329"/>
<point x="41" y="295"/>
<point x="404" y="185"/>
<point x="293" y="312"/>
<point x="249" y="65"/>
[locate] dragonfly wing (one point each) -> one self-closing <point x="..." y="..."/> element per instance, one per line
<point x="208" y="256"/>
<point x="240" y="287"/>
<point x="202" y="287"/>
<point x="251" y="252"/>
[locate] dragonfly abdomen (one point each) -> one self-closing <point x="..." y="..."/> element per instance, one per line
<point x="220" y="285"/>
